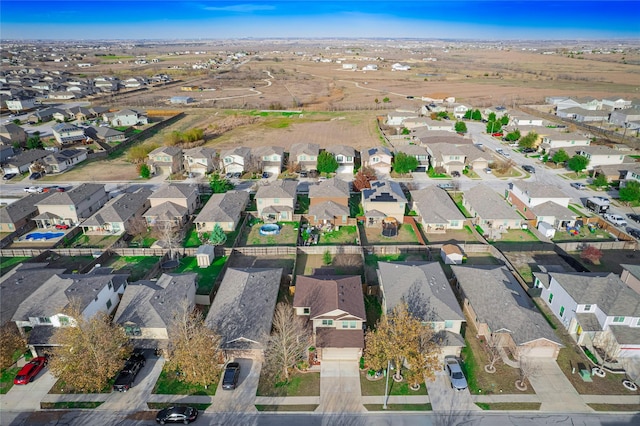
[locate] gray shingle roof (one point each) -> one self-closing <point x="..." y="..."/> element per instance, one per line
<point x="242" y="310"/>
<point x="73" y="197"/>
<point x="500" y="302"/>
<point x="119" y="209"/>
<point x="27" y="157"/>
<point x="538" y="190"/>
<point x="626" y="335"/>
<point x="328" y="210"/>
<point x="330" y="188"/>
<point x="22" y="208"/>
<point x="345" y="150"/>
<point x="489" y="205"/>
<point x="175" y="190"/>
<point x="225" y="207"/>
<point x="423" y="286"/>
<point x="633" y="269"/>
<point x="278" y="189"/>
<point x="166" y="211"/>
<point x="304" y="148"/>
<point x="556" y="210"/>
<point x="435" y="205"/>
<point x="379" y="150"/>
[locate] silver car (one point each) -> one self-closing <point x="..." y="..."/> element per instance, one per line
<point x="456" y="376"/>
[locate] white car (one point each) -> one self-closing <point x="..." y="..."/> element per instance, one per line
<point x="616" y="219"/>
<point x="33" y="189"/>
<point x="488" y="171"/>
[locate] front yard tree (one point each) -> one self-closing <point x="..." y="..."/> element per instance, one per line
<point x="468" y="114"/>
<point x="327" y="163"/>
<point x="560" y="156"/>
<point x="491" y="117"/>
<point x="87" y="353"/>
<point x="194" y="349"/>
<point x="404" y="163"/>
<point x="513" y="136"/>
<point x="476" y="115"/>
<point x="529" y="140"/>
<point x="34" y="142"/>
<point x="400" y="337"/>
<point x="578" y="163"/>
<point x="217" y="237"/>
<point x="461" y="126"/>
<point x="287" y="344"/>
<point x="630" y="192"/>
<point x="504" y="120"/>
<point x="494" y="127"/>
<point x="144" y="171"/>
<point x="219" y="185"/>
<point x="10" y="343"/>
<point x="600" y="181"/>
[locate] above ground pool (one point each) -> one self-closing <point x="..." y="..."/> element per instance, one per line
<point x="43" y="235"/>
<point x="270" y="229"/>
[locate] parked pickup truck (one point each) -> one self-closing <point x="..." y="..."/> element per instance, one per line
<point x="124" y="379"/>
<point x="616" y="219"/>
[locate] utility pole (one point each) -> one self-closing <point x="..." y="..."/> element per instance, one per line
<point x="386" y="386"/>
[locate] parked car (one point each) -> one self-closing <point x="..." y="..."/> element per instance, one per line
<point x="497" y="134"/>
<point x="634" y="217"/>
<point x="529" y="169"/>
<point x="578" y="185"/>
<point x="454" y="371"/>
<point x="616" y="219"/>
<point x="50" y="188"/>
<point x="455" y="173"/>
<point x="303" y="174"/>
<point x="33" y="189"/>
<point x="36" y="175"/>
<point x="126" y="377"/>
<point x="62" y="226"/>
<point x="528" y="150"/>
<point x="9" y="176"/>
<point x="60" y="189"/>
<point x="634" y="232"/>
<point x="183" y="415"/>
<point x="30" y="370"/>
<point x="265" y="175"/>
<point x="231" y="374"/>
<point x="488" y="170"/>
<point x="446" y="185"/>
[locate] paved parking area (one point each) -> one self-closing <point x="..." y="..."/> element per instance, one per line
<point x="27" y="397"/>
<point x="340" y="387"/>
<point x="243" y="398"/>
<point x="445" y="399"/>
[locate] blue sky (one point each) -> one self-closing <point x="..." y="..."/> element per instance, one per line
<point x="158" y="19"/>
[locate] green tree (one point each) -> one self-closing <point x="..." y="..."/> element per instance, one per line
<point x="405" y="131"/>
<point x="219" y="185"/>
<point x="494" y="127"/>
<point x="11" y="342"/>
<point x="144" y="171"/>
<point x="327" y="163"/>
<point x="217" y="237"/>
<point x="468" y="114"/>
<point x="560" y="156"/>
<point x="476" y="115"/>
<point x="404" y="163"/>
<point x="443" y="114"/>
<point x="492" y="116"/>
<point x="529" y="140"/>
<point x="513" y="136"/>
<point x="460" y="127"/>
<point x="630" y="192"/>
<point x="504" y="120"/>
<point x="600" y="181"/>
<point x="139" y="153"/>
<point x="578" y="163"/>
<point x="326" y="258"/>
<point x="34" y="142"/>
<point x="386" y="100"/>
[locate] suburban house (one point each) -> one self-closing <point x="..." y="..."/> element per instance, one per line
<point x="384" y="199"/>
<point x="419" y="152"/>
<point x="446" y="156"/>
<point x="96" y="291"/>
<point x="598" y="310"/>
<point x="59" y="161"/>
<point x="424" y="287"/>
<point x="459" y="111"/>
<point x="547" y="203"/>
<point x="379" y="158"/>
<point x="415" y="122"/>
<point x="329" y="202"/>
<point x="583" y="115"/>
<point x="242" y="310"/>
<point x="632" y="173"/>
<point x="166" y="160"/>
<point x="68" y="134"/>
<point x="22" y="162"/>
<point x="126" y="118"/>
<point x="623" y="117"/>
<point x="117" y="215"/>
<point x="440" y="125"/>
<point x="276" y="200"/>
<point x="11" y="134"/>
<point x="334" y="308"/>
<point x="19" y="213"/>
<point x="71" y="207"/>
<point x="6" y="152"/>
<point x="234" y="160"/>
<point x="171" y="204"/>
<point x="271" y="158"/>
<point x="436" y="210"/>
<point x="20" y="104"/>
<point x="397" y="118"/>
<point x="500" y="309"/>
<point x="526" y="120"/>
<point x="224" y="210"/>
<point x="631" y="276"/>
<point x="104" y="134"/>
<point x="474" y="157"/>
<point x="200" y="160"/>
<point x="345" y="156"/>
<point x="42" y="116"/>
<point x="600" y="156"/>
<point x="147" y="308"/>
<point x="498" y="110"/>
<point x="614" y="103"/>
<point x="305" y="155"/>
<point x="489" y="210"/>
<point x="554" y="141"/>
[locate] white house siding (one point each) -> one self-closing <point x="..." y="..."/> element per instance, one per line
<point x="100" y="305"/>
<point x="560" y="299"/>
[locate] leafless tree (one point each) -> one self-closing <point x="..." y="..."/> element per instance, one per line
<point x="493" y="353"/>
<point x="137" y="227"/>
<point x="607" y="345"/>
<point x="527" y="369"/>
<point x="168" y="232"/>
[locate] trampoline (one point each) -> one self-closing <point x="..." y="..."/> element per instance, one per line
<point x="389" y="227"/>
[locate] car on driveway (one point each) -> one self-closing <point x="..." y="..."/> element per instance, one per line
<point x="578" y="185"/>
<point x="126" y="377"/>
<point x="528" y="150"/>
<point x="30" y="370"/>
<point x="454" y="371"/>
<point x="183" y="415"/>
<point x="446" y="185"/>
<point x="35" y="175"/>
<point x="488" y="170"/>
<point x="455" y="173"/>
<point x="634" y="232"/>
<point x="634" y="217"/>
<point x="9" y="176"/>
<point x="529" y="169"/>
<point x="62" y="226"/>
<point x="231" y="374"/>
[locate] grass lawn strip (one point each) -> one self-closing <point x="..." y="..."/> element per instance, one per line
<point x="163" y="405"/>
<point x="376" y="388"/>
<point x="138" y="266"/>
<point x="399" y="407"/>
<point x="534" y="406"/>
<point x="6" y="379"/>
<point x="7" y="263"/>
<point x="66" y="405"/>
<point x="345" y="235"/>
<point x="301" y="407"/>
<point x="300" y="384"/>
<point x="615" y="407"/>
<point x="168" y="384"/>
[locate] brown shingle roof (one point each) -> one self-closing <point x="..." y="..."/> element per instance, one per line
<point x="327" y="293"/>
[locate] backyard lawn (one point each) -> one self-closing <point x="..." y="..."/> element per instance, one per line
<point x="345" y="235"/>
<point x="206" y="276"/>
<point x="343" y="264"/>
<point x="406" y="235"/>
<point x="191" y="239"/>
<point x="136" y="266"/>
<point x="288" y="235"/>
<point x="583" y="236"/>
<point x="7" y="263"/>
<point x="300" y="384"/>
<point x="168" y="384"/>
<point x="92" y="241"/>
<point x="517" y="236"/>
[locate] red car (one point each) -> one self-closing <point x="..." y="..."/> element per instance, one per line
<point x="30" y="370"/>
<point x="497" y="135"/>
<point x="62" y="226"/>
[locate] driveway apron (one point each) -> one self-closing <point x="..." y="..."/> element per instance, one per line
<point x="340" y="387"/>
<point x="554" y="390"/>
<point x="27" y="397"/>
<point x="243" y="398"/>
<point x="445" y="399"/>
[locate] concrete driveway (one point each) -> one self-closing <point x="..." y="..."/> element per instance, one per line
<point x="444" y="399"/>
<point x="340" y="387"/>
<point x="27" y="397"/>
<point x="554" y="390"/>
<point x="243" y="398"/>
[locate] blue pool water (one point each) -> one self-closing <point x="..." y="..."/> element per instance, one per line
<point x="270" y="229"/>
<point x="46" y="235"/>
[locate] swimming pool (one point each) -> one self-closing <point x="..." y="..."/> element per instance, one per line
<point x="43" y="235"/>
<point x="270" y="229"/>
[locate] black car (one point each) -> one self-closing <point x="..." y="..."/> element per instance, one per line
<point x="231" y="374"/>
<point x="124" y="379"/>
<point x="36" y="175"/>
<point x="265" y="175"/>
<point x="635" y="233"/>
<point x="528" y="150"/>
<point x="8" y="176"/>
<point x="455" y="173"/>
<point x="634" y="217"/>
<point x="184" y="415"/>
<point x="529" y="169"/>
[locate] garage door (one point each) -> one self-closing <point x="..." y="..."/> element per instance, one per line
<point x="351" y="354"/>
<point x="541" y="352"/>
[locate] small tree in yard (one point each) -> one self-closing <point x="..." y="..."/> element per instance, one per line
<point x="217" y="237"/>
<point x="143" y="171"/>
<point x="219" y="185"/>
<point x="10" y="343"/>
<point x="88" y="352"/>
<point x="560" y="156"/>
<point x="578" y="163"/>
<point x="326" y="258"/>
<point x="592" y="254"/>
<point x="460" y="126"/>
<point x="194" y="349"/>
<point x="600" y="181"/>
<point x="513" y="136"/>
<point x="327" y="163"/>
<point x="504" y="120"/>
<point x="630" y="192"/>
<point x="528" y="369"/>
<point x="529" y="140"/>
<point x="404" y="163"/>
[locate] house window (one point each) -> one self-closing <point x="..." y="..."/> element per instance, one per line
<point x="587" y="308"/>
<point x="132" y="330"/>
<point x="227" y="160"/>
<point x="109" y="304"/>
<point x="110" y="285"/>
<point x="44" y="320"/>
<point x="348" y="324"/>
<point x="638" y="322"/>
<point x="550" y="297"/>
<point x="306" y="311"/>
<point x="64" y="320"/>
<point x="561" y="311"/>
<point x="276" y="200"/>
<point x="327" y="323"/>
<point x="454" y="223"/>
<point x="618" y="319"/>
<point x="448" y="324"/>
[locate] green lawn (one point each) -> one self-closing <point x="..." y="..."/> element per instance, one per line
<point x="6" y="379"/>
<point x="162" y="405"/>
<point x="287" y="236"/>
<point x="69" y="405"/>
<point x="300" y="384"/>
<point x="308" y="407"/>
<point x="457" y="198"/>
<point x="206" y="276"/>
<point x="399" y="407"/>
<point x="406" y="235"/>
<point x="517" y="236"/>
<point x="91" y="241"/>
<point x="345" y="235"/>
<point x="168" y="384"/>
<point x="136" y="266"/>
<point x="191" y="239"/>
<point x="7" y="263"/>
<point x="373" y="388"/>
<point x="533" y="406"/>
<point x="355" y="208"/>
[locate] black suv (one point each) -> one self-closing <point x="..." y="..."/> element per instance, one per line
<point x="231" y="374"/>
<point x="124" y="379"/>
